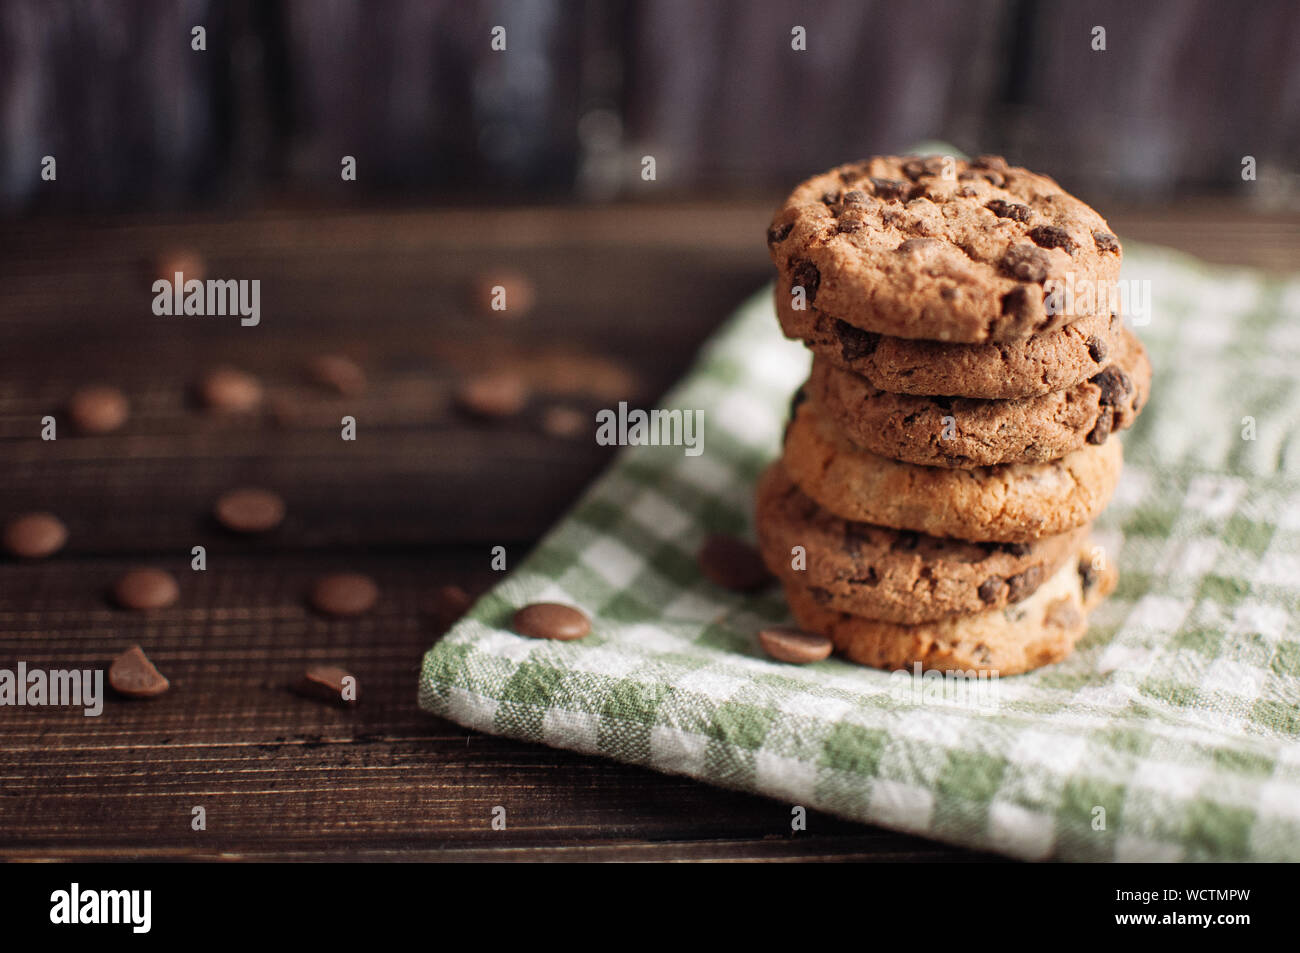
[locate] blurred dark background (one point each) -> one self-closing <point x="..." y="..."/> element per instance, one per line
<point x="713" y="90"/>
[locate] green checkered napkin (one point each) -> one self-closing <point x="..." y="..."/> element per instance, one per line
<point x="1178" y="714"/>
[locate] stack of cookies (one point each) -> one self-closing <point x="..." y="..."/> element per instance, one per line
<point x="956" y="439"/>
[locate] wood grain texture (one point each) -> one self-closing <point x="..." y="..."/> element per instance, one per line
<point x="625" y="297"/>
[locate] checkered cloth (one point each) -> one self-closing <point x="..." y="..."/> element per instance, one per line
<point x="1172" y="732"/>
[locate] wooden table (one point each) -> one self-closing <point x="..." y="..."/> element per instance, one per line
<point x="625" y="296"/>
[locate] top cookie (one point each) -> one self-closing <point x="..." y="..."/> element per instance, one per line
<point x="940" y="249"/>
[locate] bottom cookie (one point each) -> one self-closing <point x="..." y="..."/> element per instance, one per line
<point x="1027" y="635"/>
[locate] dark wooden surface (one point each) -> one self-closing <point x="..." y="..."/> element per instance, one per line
<point x="625" y="297"/>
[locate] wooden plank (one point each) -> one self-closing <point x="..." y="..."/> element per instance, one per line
<point x="626" y="295"/>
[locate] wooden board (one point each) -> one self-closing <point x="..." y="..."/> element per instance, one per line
<point x="625" y="297"/>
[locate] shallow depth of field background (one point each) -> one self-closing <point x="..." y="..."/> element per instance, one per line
<point x="712" y="90"/>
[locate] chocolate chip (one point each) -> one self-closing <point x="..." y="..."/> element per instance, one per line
<point x="914" y="169"/>
<point x="830" y="198"/>
<point x="185" y="260"/>
<point x="1053" y="236"/>
<point x="227" y="390"/>
<point x="854" y="342"/>
<point x="1027" y="263"/>
<point x="133" y="675"/>
<point x="997" y="163"/>
<point x="35" y="535"/>
<point x="991" y="589"/>
<point x="1063" y="614"/>
<point x="1097" y="349"/>
<point x="328" y="683"/>
<point x="1087" y="575"/>
<point x="890" y="188"/>
<point x="854" y="197"/>
<point x="1018" y="303"/>
<point x="1015" y="549"/>
<point x="143" y="589"/>
<point x="98" y="409"/>
<point x="339" y="374"/>
<point x="1011" y="210"/>
<point x="1105" y="241"/>
<point x="1022" y="584"/>
<point x="849" y="223"/>
<point x="994" y="178"/>
<point x="785" y="643"/>
<point x="451" y="602"/>
<point x="564" y="422"/>
<point x="344" y="593"/>
<point x="796" y="401"/>
<point x="551" y="620"/>
<point x="1115" y="386"/>
<point x="1101" y="430"/>
<point x="804" y="274"/>
<point x="249" y="510"/>
<point x="733" y="564"/>
<point x="494" y="394"/>
<point x="779" y="233"/>
<point x="854" y="171"/>
<point x="820" y="596"/>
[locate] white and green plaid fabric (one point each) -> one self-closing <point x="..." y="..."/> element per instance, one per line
<point x="1172" y="732"/>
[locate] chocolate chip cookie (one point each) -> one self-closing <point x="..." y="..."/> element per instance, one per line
<point x="1012" y="503"/>
<point x="1017" y="638"/>
<point x="894" y="575"/>
<point x="940" y="248"/>
<point x="967" y="432"/>
<point x="1037" y="365"/>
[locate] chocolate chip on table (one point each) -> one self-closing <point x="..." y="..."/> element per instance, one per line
<point x="785" y="643"/>
<point x="98" y="409"/>
<point x="249" y="510"/>
<point x="551" y="620"/>
<point x="328" y="683"/>
<point x="133" y="675"/>
<point x="229" y="390"/>
<point x="339" y="374"/>
<point x="451" y="602"/>
<point x="344" y="593"/>
<point x="35" y="535"/>
<point x="185" y="260"/>
<point x="503" y="294"/>
<point x="494" y="394"/>
<point x="143" y="589"/>
<point x="733" y="564"/>
<point x="564" y="422"/>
